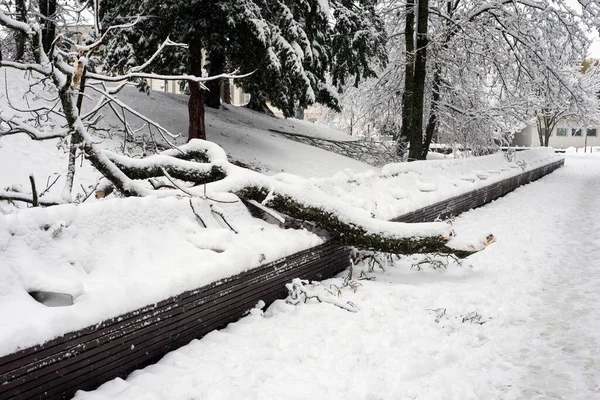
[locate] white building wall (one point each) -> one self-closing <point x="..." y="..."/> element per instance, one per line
<point x="528" y="137"/>
<point x="238" y="97"/>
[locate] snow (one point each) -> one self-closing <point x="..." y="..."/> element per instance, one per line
<point x="117" y="255"/>
<point x="520" y="319"/>
<point x="405" y="187"/>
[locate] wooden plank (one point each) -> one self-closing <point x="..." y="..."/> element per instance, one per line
<point x="75" y="366"/>
<point x="68" y="341"/>
<point x="146" y="346"/>
<point x="95" y="345"/>
<point x="478" y="197"/>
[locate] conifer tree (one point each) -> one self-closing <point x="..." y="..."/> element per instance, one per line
<point x="299" y="50"/>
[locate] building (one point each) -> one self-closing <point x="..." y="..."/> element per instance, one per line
<point x="238" y="97"/>
<point x="565" y="134"/>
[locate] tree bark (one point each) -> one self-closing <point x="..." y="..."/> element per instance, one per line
<point x="47" y="9"/>
<point x="416" y="125"/>
<point x="216" y="66"/>
<point x="350" y="234"/>
<point x="226" y="91"/>
<point x="197" y="128"/>
<point x="432" y="123"/>
<point x="407" y="95"/>
<point x="20" y="37"/>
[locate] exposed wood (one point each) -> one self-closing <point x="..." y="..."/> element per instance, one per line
<point x="34" y="194"/>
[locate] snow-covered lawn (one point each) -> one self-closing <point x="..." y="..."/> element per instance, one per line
<point x="535" y="290"/>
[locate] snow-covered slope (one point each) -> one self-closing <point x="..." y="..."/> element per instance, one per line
<point x="245" y="135"/>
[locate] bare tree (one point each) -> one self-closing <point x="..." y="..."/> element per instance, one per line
<point x="482" y="60"/>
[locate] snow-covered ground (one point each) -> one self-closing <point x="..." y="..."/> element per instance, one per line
<point x="99" y="252"/>
<point x="405" y="187"/>
<point x="118" y="255"/>
<point x="519" y="320"/>
<point x="245" y="135"/>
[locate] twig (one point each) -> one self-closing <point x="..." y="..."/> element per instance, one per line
<point x="220" y="214"/>
<point x="87" y="195"/>
<point x="34" y="195"/>
<point x="205" y="196"/>
<point x="15" y="196"/>
<point x="49" y="186"/>
<point x="164" y="171"/>
<point x="196" y="214"/>
<point x="156" y="184"/>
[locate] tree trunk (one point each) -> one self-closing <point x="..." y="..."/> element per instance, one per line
<point x="435" y="99"/>
<point x="197" y="129"/>
<point x="226" y="83"/>
<point x="47" y="9"/>
<point x="216" y="66"/>
<point x="416" y="126"/>
<point x="539" y="129"/>
<point x="407" y="96"/>
<point x="20" y="37"/>
<point x="349" y="234"/>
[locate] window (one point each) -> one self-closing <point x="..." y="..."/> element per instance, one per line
<point x="591" y="132"/>
<point x="561" y="131"/>
<point x="575" y="132"/>
<point x="543" y="132"/>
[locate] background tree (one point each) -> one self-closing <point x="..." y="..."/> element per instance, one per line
<point x="293" y="47"/>
<point x="482" y="58"/>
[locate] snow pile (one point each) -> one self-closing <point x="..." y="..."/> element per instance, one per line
<point x="118" y="255"/>
<point x="405" y="187"/>
<point x="516" y="321"/>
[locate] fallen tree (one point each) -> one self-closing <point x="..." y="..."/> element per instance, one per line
<point x="198" y="168"/>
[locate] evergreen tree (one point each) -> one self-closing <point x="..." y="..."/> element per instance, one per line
<point x="299" y="50"/>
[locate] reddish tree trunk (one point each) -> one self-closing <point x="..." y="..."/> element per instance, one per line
<point x="197" y="129"/>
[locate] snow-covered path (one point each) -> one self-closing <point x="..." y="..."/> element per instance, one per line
<point x="536" y="290"/>
<point x="562" y="355"/>
<point x="556" y="241"/>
